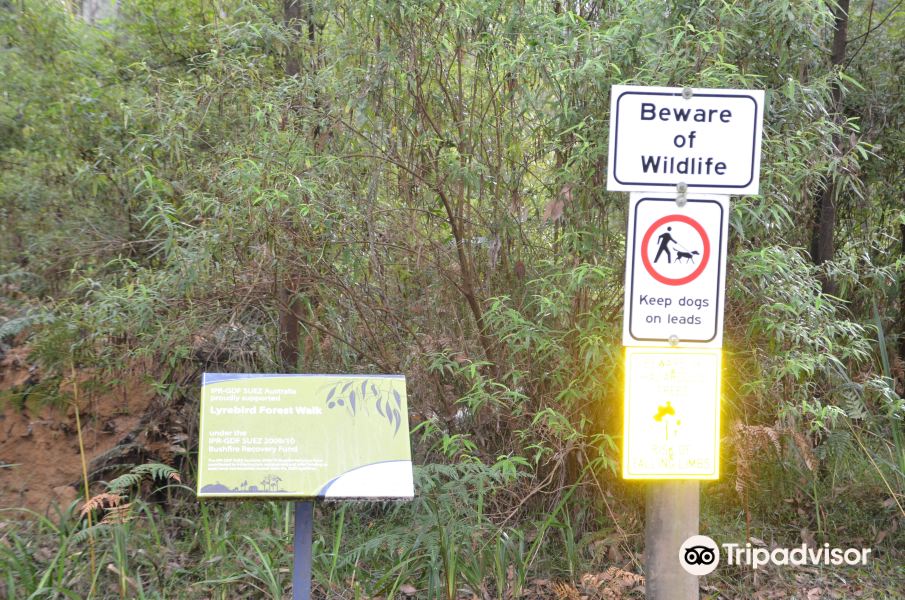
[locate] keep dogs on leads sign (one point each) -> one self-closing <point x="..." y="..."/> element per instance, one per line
<point x="675" y="272"/>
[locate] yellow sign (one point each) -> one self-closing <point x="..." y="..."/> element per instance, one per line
<point x="672" y="413"/>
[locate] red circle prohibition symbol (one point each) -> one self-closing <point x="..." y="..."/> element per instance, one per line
<point x="705" y="255"/>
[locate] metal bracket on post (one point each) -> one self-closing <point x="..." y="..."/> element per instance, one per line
<point x="681" y="194"/>
<point x="682" y="187"/>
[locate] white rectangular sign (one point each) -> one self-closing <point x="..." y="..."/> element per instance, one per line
<point x="675" y="271"/>
<point x="672" y="414"/>
<point x="710" y="141"/>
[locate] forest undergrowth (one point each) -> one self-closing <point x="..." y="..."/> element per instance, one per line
<point x="418" y="187"/>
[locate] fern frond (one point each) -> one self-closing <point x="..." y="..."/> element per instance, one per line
<point x="104" y="500"/>
<point x="124" y="482"/>
<point x="750" y="442"/>
<point x="157" y="471"/>
<point x="611" y="584"/>
<point x="565" y="591"/>
<point x="135" y="476"/>
<point x="95" y="531"/>
<point x="118" y="515"/>
<point x="804" y="447"/>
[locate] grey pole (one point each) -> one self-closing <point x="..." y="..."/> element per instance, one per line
<point x="301" y="545"/>
<point x="671" y="517"/>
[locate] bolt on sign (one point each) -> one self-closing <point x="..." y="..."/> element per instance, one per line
<point x="663" y="136"/>
<point x="675" y="272"/>
<point x="304" y="436"/>
<point x="672" y="413"/>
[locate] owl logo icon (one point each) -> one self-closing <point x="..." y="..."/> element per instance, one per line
<point x="699" y="555"/>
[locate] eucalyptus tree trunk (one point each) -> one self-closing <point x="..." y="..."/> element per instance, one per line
<point x="289" y="301"/>
<point x="823" y="232"/>
<point x="292" y="19"/>
<point x="901" y="341"/>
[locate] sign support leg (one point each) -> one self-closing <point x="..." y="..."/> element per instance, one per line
<point x="671" y="516"/>
<point x="301" y="546"/>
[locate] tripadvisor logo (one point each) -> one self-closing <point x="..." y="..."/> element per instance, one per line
<point x="700" y="555"/>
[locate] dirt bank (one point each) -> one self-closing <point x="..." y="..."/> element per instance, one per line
<point x="39" y="447"/>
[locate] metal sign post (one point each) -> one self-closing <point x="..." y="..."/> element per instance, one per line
<point x="301" y="546"/>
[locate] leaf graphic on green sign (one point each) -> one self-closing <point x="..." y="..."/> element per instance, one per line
<point x="346" y="395"/>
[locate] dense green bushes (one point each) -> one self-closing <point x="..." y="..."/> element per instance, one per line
<point x="426" y="195"/>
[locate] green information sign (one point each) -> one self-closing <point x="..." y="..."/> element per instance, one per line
<point x="304" y="436"/>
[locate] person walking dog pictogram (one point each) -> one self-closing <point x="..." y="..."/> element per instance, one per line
<point x="664" y="239"/>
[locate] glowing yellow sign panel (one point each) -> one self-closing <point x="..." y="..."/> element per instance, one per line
<point x="672" y="413"/>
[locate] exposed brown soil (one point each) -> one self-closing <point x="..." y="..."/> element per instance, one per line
<point x="39" y="448"/>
